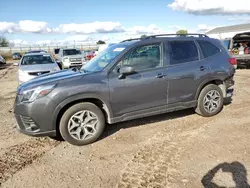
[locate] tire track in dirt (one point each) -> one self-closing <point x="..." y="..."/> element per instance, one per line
<point x="21" y="155"/>
<point x="154" y="165"/>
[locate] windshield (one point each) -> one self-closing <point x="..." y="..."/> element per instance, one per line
<point x="36" y="60"/>
<point x="103" y="58"/>
<point x="71" y="52"/>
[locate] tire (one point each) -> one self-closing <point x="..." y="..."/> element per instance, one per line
<point x="89" y="110"/>
<point x="201" y="107"/>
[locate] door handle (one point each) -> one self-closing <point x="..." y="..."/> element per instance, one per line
<point x="160" y="75"/>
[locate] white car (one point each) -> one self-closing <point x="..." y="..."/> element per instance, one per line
<point x="36" y="64"/>
<point x="70" y="57"/>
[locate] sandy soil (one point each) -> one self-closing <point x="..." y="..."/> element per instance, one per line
<point x="179" y="149"/>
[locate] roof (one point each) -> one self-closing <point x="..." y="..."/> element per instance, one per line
<point x="232" y="28"/>
<point x="37" y="53"/>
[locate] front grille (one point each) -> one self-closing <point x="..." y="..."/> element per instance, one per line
<point x="75" y="59"/>
<point x="76" y="63"/>
<point x="38" y="73"/>
<point x="28" y="123"/>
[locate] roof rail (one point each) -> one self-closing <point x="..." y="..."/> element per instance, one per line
<point x="162" y="35"/>
<point x="131" y="39"/>
<point x="183" y="35"/>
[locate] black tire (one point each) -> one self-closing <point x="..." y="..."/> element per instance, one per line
<point x="63" y="127"/>
<point x="200" y="109"/>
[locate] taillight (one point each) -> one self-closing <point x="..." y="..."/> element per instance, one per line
<point x="232" y="61"/>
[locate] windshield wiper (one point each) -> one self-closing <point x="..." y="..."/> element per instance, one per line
<point x="84" y="70"/>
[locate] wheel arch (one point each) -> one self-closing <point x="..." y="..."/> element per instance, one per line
<point x="63" y="106"/>
<point x="215" y="81"/>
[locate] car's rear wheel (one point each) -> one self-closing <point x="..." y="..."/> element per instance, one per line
<point x="82" y="124"/>
<point x="210" y="101"/>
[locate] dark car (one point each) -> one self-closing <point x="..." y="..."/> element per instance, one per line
<point x="133" y="79"/>
<point x="16" y="56"/>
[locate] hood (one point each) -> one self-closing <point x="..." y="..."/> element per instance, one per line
<point x="38" y="67"/>
<point x="55" y="77"/>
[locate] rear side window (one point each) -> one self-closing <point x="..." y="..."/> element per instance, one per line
<point x="208" y="48"/>
<point x="182" y="52"/>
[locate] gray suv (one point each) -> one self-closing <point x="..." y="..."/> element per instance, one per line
<point x="133" y="79"/>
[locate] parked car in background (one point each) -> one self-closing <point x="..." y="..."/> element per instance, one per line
<point x="2" y="60"/>
<point x="70" y="57"/>
<point x="239" y="47"/>
<point x="36" y="51"/>
<point x="90" y="55"/>
<point x="35" y="64"/>
<point x="132" y="79"/>
<point x="16" y="56"/>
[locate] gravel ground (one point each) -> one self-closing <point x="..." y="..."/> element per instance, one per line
<point x="179" y="149"/>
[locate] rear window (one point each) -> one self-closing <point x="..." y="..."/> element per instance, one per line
<point x="71" y="52"/>
<point x="182" y="52"/>
<point x="36" y="60"/>
<point x="208" y="48"/>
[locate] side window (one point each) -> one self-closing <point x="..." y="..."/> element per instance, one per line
<point x="143" y="58"/>
<point x="182" y="52"/>
<point x="208" y="48"/>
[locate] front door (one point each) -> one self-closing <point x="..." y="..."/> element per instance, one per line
<point x="143" y="92"/>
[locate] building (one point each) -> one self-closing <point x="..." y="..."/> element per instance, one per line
<point x="228" y="31"/>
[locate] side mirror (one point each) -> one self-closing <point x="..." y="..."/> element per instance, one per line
<point x="126" y="71"/>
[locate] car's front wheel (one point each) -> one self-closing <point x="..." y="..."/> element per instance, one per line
<point x="82" y="124"/>
<point x="210" y="101"/>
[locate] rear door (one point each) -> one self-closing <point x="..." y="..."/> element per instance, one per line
<point x="185" y="71"/>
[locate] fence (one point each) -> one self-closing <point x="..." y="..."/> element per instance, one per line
<point x="23" y="49"/>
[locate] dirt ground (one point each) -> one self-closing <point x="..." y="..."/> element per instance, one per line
<point x="173" y="150"/>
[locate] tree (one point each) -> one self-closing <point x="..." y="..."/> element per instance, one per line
<point x="143" y="36"/>
<point x="182" y="32"/>
<point x="4" y="42"/>
<point x="100" y="42"/>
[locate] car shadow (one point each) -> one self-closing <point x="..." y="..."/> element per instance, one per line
<point x="5" y="66"/>
<point x="238" y="171"/>
<point x="112" y="129"/>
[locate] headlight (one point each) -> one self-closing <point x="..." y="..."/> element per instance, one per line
<point x="38" y="92"/>
<point x="65" y="58"/>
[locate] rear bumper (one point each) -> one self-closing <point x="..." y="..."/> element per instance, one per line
<point x="243" y="62"/>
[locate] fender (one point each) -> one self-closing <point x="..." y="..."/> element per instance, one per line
<point x="204" y="83"/>
<point x="106" y="105"/>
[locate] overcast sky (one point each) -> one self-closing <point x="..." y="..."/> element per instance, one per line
<point x="54" y="21"/>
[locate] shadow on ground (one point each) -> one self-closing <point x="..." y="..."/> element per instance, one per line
<point x="238" y="171"/>
<point x="5" y="66"/>
<point x="112" y="129"/>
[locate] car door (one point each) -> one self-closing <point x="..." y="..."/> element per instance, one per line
<point x="144" y="91"/>
<point x="185" y="71"/>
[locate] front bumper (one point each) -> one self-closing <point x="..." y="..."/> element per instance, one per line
<point x="35" y="119"/>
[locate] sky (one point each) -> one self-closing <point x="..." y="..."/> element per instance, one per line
<point x="84" y="21"/>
